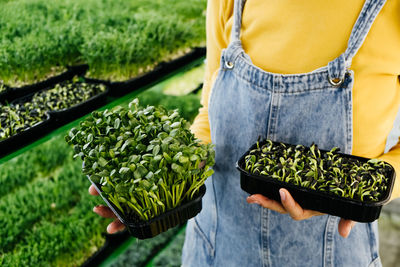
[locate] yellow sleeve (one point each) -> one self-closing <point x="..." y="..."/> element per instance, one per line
<point x="217" y="13"/>
<point x="393" y="158"/>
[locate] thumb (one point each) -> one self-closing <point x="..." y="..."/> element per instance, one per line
<point x="345" y="227"/>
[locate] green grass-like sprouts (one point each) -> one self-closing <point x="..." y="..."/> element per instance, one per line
<point x="329" y="171"/>
<point x="145" y="159"/>
<point x="117" y="38"/>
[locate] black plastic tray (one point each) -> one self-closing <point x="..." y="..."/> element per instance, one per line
<point x="361" y="211"/>
<point x="18" y="92"/>
<point x="25" y="137"/>
<point x="122" y="88"/>
<point x="5" y="93"/>
<point x="66" y="115"/>
<point x="161" y="223"/>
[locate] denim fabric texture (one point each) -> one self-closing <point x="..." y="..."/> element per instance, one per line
<point x="246" y="103"/>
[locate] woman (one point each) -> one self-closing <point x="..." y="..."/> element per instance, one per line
<point x="296" y="72"/>
<point x="340" y="88"/>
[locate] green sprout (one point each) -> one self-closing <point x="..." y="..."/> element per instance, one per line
<point x="18" y="117"/>
<point x="325" y="171"/>
<point x="145" y="160"/>
<point x="67" y="94"/>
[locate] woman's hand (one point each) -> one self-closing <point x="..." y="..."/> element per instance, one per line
<point x="289" y="205"/>
<point x="106" y="212"/>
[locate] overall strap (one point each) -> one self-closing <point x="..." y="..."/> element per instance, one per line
<point x="235" y="46"/>
<point x="338" y="67"/>
<point x="237" y="20"/>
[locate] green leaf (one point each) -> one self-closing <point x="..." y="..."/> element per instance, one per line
<point x="156" y="150"/>
<point x="102" y="162"/>
<point x="117" y="123"/>
<point x="124" y="170"/>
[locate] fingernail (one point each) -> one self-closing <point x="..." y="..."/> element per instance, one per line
<point x="282" y="194"/>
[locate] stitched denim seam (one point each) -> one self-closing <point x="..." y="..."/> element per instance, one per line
<point x="214" y="242"/>
<point x="254" y="68"/>
<point x="265" y="241"/>
<point x="259" y="89"/>
<point x="298" y="91"/>
<point x="329" y="241"/>
<point x="203" y="236"/>
<point x="308" y="91"/>
<point x="374" y="249"/>
<point x="349" y="120"/>
<point x="272" y="113"/>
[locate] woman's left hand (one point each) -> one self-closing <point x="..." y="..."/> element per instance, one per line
<point x="290" y="206"/>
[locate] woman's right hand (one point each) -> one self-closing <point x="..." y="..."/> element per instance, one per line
<point x="290" y="206"/>
<point x="106" y="212"/>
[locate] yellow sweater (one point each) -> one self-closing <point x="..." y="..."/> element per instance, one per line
<point x="287" y="37"/>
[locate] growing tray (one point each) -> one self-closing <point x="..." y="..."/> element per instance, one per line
<point x="25" y="137"/>
<point x="161" y="223"/>
<point x="5" y="93"/>
<point x="66" y="115"/>
<point x="361" y="211"/>
<point x="118" y="89"/>
<point x="18" y="92"/>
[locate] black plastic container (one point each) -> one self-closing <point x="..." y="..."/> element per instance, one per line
<point x="25" y="137"/>
<point x="122" y="88"/>
<point x="161" y="223"/>
<point x="361" y="211"/>
<point x="54" y="119"/>
<point x="66" y="115"/>
<point x="5" y="93"/>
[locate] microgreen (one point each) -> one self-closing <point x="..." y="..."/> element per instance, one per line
<point x="67" y="94"/>
<point x="118" y="39"/>
<point x="18" y="117"/>
<point x="145" y="159"/>
<point x="325" y="171"/>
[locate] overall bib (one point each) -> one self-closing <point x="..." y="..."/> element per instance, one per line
<point x="247" y="102"/>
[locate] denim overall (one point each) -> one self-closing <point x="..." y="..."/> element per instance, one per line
<point x="247" y="102"/>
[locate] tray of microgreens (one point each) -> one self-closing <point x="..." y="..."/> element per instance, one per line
<point x="14" y="93"/>
<point x="146" y="164"/>
<point x="19" y="122"/>
<point x="73" y="98"/>
<point x="327" y="181"/>
<point x="29" y="117"/>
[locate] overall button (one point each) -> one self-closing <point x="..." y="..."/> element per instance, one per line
<point x="335" y="81"/>
<point x="228" y="65"/>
